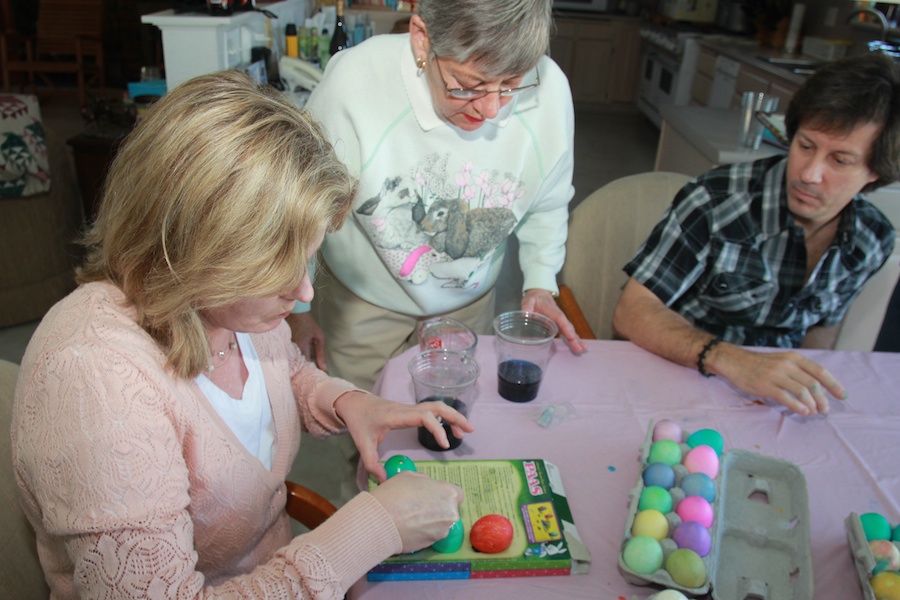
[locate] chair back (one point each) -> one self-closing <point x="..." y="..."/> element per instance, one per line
<point x="605" y="230"/>
<point x="61" y="21"/>
<point x="21" y="575"/>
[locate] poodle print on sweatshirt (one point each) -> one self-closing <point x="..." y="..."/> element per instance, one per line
<point x="432" y="224"/>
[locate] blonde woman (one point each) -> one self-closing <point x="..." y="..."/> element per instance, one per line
<point x="161" y="404"/>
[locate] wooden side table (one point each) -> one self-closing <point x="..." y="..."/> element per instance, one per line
<point x="93" y="155"/>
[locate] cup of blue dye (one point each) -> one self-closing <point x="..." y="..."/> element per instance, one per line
<point x="524" y="342"/>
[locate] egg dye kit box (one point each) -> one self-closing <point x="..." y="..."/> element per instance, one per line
<point x="745" y="531"/>
<point x="530" y="494"/>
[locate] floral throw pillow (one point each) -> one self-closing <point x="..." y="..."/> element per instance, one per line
<point x="24" y="165"/>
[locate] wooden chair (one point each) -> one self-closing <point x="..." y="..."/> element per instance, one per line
<point x="21" y="575"/>
<point x="68" y="39"/>
<point x="306" y="506"/>
<point x="605" y="230"/>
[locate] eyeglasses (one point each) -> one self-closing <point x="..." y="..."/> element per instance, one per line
<point x="473" y="94"/>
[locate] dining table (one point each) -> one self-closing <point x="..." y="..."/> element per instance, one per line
<point x="608" y="398"/>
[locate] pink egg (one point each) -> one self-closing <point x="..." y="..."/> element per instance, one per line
<point x="702" y="459"/>
<point x="697" y="509"/>
<point x="667" y="430"/>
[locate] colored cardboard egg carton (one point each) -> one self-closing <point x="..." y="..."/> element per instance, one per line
<point x="864" y="562"/>
<point x="760" y="542"/>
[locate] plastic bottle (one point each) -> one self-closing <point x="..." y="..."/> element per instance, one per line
<point x="359" y="30"/>
<point x="323" y="49"/>
<point x="291" y="44"/>
<point x="339" y="39"/>
<point x="313" y="56"/>
<point x="303" y="43"/>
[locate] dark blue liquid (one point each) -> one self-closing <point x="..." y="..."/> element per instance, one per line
<point x="518" y="380"/>
<point x="427" y="439"/>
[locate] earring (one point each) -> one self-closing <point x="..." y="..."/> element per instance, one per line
<point x="420" y="63"/>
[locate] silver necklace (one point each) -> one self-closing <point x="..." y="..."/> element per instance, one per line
<point x="223" y="354"/>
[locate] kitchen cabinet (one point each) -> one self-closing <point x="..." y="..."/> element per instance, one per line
<point x="703" y="76"/>
<point x="600" y="57"/>
<point x="753" y="75"/>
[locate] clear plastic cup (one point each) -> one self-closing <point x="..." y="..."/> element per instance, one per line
<point x="446" y="376"/>
<point x="524" y="341"/>
<point x="447" y="334"/>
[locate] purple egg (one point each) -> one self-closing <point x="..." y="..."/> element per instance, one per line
<point x="693" y="536"/>
<point x="659" y="474"/>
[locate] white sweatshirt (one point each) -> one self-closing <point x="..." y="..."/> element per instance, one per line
<point x="436" y="204"/>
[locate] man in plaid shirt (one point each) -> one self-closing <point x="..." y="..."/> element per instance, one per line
<point x="772" y="253"/>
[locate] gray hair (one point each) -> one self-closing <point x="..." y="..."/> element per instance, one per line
<point x="502" y="37"/>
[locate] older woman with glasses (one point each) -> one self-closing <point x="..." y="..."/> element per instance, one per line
<point x="461" y="134"/>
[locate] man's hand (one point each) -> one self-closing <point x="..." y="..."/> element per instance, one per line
<point x="305" y="332"/>
<point x="541" y="301"/>
<point x="369" y="418"/>
<point x="789" y="378"/>
<point x="786" y="377"/>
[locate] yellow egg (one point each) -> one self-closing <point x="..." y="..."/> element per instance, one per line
<point x="651" y="523"/>
<point x="686" y="568"/>
<point x="886" y="586"/>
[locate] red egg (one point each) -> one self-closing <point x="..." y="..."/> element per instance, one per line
<point x="491" y="534"/>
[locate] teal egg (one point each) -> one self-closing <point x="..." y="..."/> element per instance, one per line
<point x="654" y="497"/>
<point x="699" y="484"/>
<point x="453" y="541"/>
<point x="665" y="451"/>
<point x="398" y="463"/>
<point x="707" y="437"/>
<point x="875" y="526"/>
<point x="895" y="536"/>
<point x="642" y="554"/>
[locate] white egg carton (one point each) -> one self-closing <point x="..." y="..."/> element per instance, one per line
<point x="760" y="544"/>
<point x="863" y="561"/>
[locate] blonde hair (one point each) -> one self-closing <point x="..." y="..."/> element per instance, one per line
<point x="216" y="196"/>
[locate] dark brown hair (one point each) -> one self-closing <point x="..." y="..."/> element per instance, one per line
<point x="850" y="92"/>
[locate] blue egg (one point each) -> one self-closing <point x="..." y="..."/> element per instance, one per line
<point x="659" y="474"/>
<point x="699" y="484"/>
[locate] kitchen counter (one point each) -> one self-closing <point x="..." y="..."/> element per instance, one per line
<point x="693" y="139"/>
<point x="751" y="52"/>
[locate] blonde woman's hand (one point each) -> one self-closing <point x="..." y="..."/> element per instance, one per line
<point x="423" y="509"/>
<point x="369" y="418"/>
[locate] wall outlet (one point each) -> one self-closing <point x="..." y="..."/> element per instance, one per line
<point x="830" y="19"/>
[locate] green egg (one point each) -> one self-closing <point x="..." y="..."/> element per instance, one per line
<point x="706" y="437"/>
<point x="656" y="498"/>
<point x="398" y="463"/>
<point x="686" y="568"/>
<point x="642" y="554"/>
<point x="875" y="526"/>
<point x="895" y="536"/>
<point x="665" y="451"/>
<point x="453" y="541"/>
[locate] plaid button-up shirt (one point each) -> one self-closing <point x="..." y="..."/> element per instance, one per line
<point x="728" y="256"/>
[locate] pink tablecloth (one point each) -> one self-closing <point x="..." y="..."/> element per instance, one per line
<point x="849" y="458"/>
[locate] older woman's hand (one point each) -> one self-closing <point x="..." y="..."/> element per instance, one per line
<point x="369" y="418"/>
<point x="541" y="301"/>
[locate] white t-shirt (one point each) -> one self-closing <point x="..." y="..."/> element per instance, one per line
<point x="248" y="417"/>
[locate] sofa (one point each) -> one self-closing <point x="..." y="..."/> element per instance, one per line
<point x="37" y="229"/>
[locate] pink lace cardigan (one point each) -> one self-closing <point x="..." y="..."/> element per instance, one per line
<point x="136" y="488"/>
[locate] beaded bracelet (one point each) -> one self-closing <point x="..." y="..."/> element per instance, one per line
<point x="702" y="356"/>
